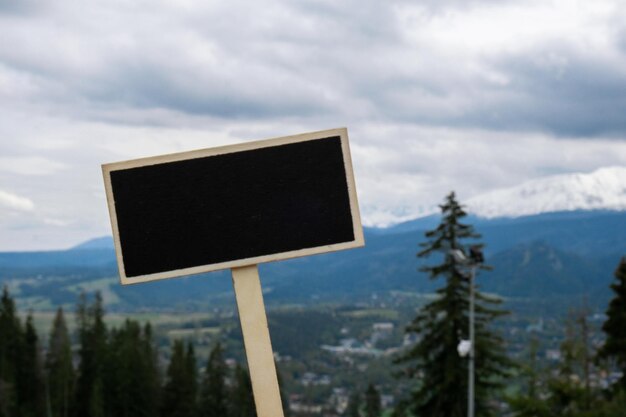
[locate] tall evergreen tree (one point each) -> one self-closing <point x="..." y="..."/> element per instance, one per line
<point x="92" y="333"/>
<point x="566" y="391"/>
<point x="59" y="369"/>
<point x="439" y="372"/>
<point x="372" y="402"/>
<point x="131" y="376"/>
<point x="150" y="371"/>
<point x="179" y="393"/>
<point x="529" y="403"/>
<point x="11" y="342"/>
<point x="213" y="392"/>
<point x="354" y="405"/>
<point x="242" y="398"/>
<point x="30" y="380"/>
<point x="615" y="326"/>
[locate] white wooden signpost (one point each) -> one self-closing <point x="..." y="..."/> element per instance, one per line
<point x="235" y="207"/>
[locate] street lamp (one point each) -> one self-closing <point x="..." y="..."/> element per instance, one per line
<point x="476" y="258"/>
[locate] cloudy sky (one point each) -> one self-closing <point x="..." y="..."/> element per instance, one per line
<point x="436" y="94"/>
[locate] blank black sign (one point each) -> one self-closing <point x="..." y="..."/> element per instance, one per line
<point x="213" y="210"/>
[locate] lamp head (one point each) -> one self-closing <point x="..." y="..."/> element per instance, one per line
<point x="458" y="256"/>
<point x="476" y="254"/>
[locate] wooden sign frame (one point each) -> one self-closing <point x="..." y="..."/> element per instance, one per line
<point x="246" y="282"/>
<point x="342" y="133"/>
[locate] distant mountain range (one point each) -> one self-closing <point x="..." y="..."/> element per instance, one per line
<point x="563" y="254"/>
<point x="105" y="242"/>
<point x="603" y="189"/>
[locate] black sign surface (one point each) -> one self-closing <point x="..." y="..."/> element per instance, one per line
<point x="233" y="206"/>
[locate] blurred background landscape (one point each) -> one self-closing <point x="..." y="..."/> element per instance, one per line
<point x="517" y="106"/>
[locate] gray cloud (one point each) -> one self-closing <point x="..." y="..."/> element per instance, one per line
<point x="310" y="60"/>
<point x="21" y="7"/>
<point x="556" y="89"/>
<point x="15" y="202"/>
<point x="565" y="92"/>
<point x="438" y="95"/>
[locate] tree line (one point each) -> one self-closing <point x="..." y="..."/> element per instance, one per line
<point x="112" y="372"/>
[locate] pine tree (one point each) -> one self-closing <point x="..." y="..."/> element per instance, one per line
<point x="150" y="372"/>
<point x="566" y="393"/>
<point x="569" y="386"/>
<point x="92" y="333"/>
<point x="191" y="368"/>
<point x="615" y="326"/>
<point x="179" y="392"/>
<point x="354" y="405"/>
<point x="242" y="398"/>
<point x="131" y="377"/>
<point x="372" y="402"/>
<point x="11" y="343"/>
<point x="213" y="392"/>
<point x="439" y="372"/>
<point x="530" y="403"/>
<point x="59" y="369"/>
<point x="585" y="355"/>
<point x="30" y="380"/>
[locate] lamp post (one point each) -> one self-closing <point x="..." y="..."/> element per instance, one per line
<point x="475" y="259"/>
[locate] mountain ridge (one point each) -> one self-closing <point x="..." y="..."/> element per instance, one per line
<point x="420" y="223"/>
<point x="102" y="242"/>
<point x="587" y="245"/>
<point x="604" y="189"/>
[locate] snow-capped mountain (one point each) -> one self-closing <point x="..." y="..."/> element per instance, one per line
<point x="603" y="189"/>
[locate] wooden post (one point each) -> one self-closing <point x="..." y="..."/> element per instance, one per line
<point x="256" y="338"/>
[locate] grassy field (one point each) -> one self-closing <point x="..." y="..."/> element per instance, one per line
<point x="103" y="285"/>
<point x="380" y="313"/>
<point x="195" y="333"/>
<point x="43" y="320"/>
